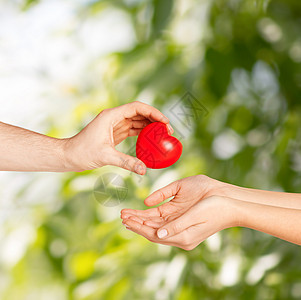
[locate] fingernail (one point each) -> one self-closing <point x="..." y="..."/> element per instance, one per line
<point x="162" y="233"/>
<point x="139" y="169"/>
<point x="127" y="226"/>
<point x="124" y="216"/>
<point x="170" y="129"/>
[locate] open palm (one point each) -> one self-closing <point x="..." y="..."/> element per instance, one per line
<point x="189" y="218"/>
<point x="186" y="193"/>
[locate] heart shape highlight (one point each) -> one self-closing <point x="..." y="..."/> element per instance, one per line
<point x="156" y="148"/>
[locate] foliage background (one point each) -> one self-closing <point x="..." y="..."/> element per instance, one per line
<point x="241" y="59"/>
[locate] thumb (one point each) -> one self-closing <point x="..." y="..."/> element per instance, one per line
<point x="178" y="225"/>
<point x="162" y="194"/>
<point x="126" y="162"/>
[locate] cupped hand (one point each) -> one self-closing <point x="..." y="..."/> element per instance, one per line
<point x="194" y="213"/>
<point x="185" y="192"/>
<point x="94" y="146"/>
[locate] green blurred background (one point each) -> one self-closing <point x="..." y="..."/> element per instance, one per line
<point x="64" y="61"/>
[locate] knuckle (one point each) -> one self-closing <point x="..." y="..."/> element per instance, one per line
<point x="124" y="163"/>
<point x="178" y="185"/>
<point x="161" y="194"/>
<point x="166" y="218"/>
<point x="129" y="163"/>
<point x="176" y="227"/>
<point x="203" y="177"/>
<point x="139" y="226"/>
<point x="136" y="160"/>
<point x="136" y="163"/>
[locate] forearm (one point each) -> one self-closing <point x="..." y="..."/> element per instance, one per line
<point x="279" y="199"/>
<point x="24" y="150"/>
<point x="284" y="223"/>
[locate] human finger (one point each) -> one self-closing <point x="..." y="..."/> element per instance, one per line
<point x="136" y="108"/>
<point x="122" y="160"/>
<point x="181" y="240"/>
<point x="162" y="194"/>
<point x="178" y="225"/>
<point x="152" y="212"/>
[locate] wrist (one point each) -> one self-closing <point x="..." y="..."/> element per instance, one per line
<point x="225" y="210"/>
<point x="218" y="188"/>
<point x="228" y="190"/>
<point x="70" y="163"/>
<point x="237" y="212"/>
<point x="232" y="212"/>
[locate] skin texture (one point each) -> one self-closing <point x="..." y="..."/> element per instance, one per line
<point x="92" y="147"/>
<point x="189" y="218"/>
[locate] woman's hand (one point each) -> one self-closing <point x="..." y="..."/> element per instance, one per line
<point x="200" y="208"/>
<point x="186" y="193"/>
<point x="190" y="217"/>
<point x="94" y="146"/>
<point x="184" y="228"/>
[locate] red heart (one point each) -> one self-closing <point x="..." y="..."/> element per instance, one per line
<point x="156" y="148"/>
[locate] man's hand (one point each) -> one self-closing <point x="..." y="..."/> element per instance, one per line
<point x="94" y="146"/>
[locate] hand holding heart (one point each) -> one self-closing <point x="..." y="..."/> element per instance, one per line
<point x="94" y="146"/>
<point x="186" y="220"/>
